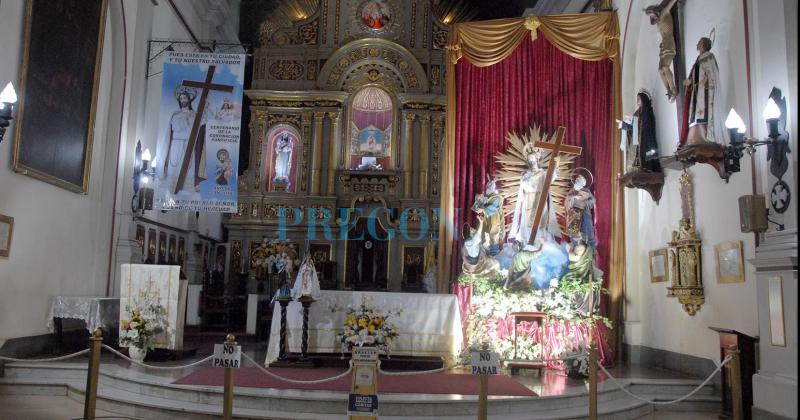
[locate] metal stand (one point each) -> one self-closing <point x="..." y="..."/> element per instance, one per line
<point x="304" y="360"/>
<point x="283" y="355"/>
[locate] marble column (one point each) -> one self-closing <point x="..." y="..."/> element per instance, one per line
<point x="333" y="147"/>
<point x="316" y="156"/>
<point x="424" y="154"/>
<point x="408" y="142"/>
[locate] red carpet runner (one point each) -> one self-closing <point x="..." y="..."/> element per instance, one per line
<point x="436" y="383"/>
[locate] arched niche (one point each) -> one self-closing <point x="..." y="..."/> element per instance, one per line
<point x="282" y="153"/>
<point x="397" y="67"/>
<point x="372" y="120"/>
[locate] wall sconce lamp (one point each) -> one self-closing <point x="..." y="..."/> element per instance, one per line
<point x="143" y="175"/>
<point x="740" y="143"/>
<point x="7" y="100"/>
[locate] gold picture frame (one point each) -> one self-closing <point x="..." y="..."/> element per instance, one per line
<point x="51" y="124"/>
<point x="6" y="232"/>
<point x="659" y="265"/>
<point x="729" y="261"/>
<point x="320" y="252"/>
<point x="777" y="332"/>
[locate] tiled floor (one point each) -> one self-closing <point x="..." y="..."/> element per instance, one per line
<point x="29" y="407"/>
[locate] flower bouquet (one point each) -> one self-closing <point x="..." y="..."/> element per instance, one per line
<point x="364" y="325"/>
<point x="139" y="330"/>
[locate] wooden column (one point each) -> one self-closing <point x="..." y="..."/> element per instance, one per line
<point x="408" y="142"/>
<point x="333" y="155"/>
<point x="316" y="157"/>
<point x="424" y="153"/>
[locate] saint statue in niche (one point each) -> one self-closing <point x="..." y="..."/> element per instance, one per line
<point x="530" y="188"/>
<point x="376" y="14"/>
<point x="283" y="158"/>
<point x="701" y="121"/>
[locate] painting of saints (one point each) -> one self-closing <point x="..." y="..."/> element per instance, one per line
<point x="376" y="15"/>
<point x="371" y="141"/>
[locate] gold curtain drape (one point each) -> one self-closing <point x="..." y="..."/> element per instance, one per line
<point x="587" y="36"/>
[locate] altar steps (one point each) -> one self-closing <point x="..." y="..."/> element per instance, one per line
<point x="139" y="395"/>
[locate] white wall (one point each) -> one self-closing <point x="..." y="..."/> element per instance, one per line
<point x="657" y="321"/>
<point x="61" y="239"/>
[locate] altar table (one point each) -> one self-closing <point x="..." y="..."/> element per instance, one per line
<point x="429" y="325"/>
<point x="96" y="312"/>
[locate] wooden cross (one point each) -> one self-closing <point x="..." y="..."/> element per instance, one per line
<point x="205" y="87"/>
<point x="557" y="148"/>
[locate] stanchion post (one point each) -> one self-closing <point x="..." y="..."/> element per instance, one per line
<point x="592" y="355"/>
<point x="736" y="383"/>
<point x="227" y="399"/>
<point x="592" y="380"/>
<point x="92" y="374"/>
<point x="483" y="399"/>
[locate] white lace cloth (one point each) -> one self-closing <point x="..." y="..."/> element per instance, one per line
<point x="430" y="324"/>
<point x="94" y="311"/>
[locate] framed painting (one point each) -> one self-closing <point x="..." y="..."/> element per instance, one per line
<point x="413" y="264"/>
<point x="151" y="246"/>
<point x="61" y="60"/>
<point x="658" y="265"/>
<point x="162" y="247"/>
<point x="6" y="230"/>
<point x="729" y="262"/>
<point x="172" y="250"/>
<point x="775" y="300"/>
<point x="320" y="252"/>
<point x="181" y="251"/>
<point x="140" y="236"/>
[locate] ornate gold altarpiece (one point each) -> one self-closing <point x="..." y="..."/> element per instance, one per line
<point x="306" y="73"/>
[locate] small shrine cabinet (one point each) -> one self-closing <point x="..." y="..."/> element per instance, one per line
<point x="747" y="348"/>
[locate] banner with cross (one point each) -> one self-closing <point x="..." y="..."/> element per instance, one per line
<point x="199" y="124"/>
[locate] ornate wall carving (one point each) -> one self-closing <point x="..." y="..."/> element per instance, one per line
<point x="286" y="70"/>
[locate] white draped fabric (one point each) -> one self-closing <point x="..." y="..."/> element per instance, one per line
<point x="94" y="311"/>
<point x="429" y="325"/>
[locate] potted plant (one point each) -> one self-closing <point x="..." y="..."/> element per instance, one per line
<point x="577" y="362"/>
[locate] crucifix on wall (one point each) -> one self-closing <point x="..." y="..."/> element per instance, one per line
<point x="557" y="148"/>
<point x="205" y="87"/>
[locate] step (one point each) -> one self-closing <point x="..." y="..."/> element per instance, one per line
<point x="148" y="396"/>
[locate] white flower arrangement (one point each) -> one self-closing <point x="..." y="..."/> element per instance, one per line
<point x="140" y="329"/>
<point x="364" y="325"/>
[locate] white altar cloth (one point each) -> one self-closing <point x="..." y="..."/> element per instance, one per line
<point x="429" y="325"/>
<point x="94" y="311"/>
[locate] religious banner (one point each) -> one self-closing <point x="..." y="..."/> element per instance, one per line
<point x="200" y="120"/>
<point x="157" y="295"/>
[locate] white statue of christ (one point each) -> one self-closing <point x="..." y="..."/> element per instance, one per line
<point x="531" y="187"/>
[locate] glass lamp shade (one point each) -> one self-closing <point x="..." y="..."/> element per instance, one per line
<point x="771" y="111"/>
<point x="8" y="95"/>
<point x="734" y="121"/>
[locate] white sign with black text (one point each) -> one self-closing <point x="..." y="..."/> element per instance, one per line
<point x="365" y="354"/>
<point x="485" y="363"/>
<point x="227" y="356"/>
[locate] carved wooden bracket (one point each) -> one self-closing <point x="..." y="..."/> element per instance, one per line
<point x="652" y="182"/>
<point x="710" y="153"/>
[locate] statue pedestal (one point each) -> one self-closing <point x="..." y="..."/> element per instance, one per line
<point x="710" y="153"/>
<point x="652" y="182"/>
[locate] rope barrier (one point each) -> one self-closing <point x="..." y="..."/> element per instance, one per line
<point x="297" y="381"/>
<point x="50" y="359"/>
<point x="699" y="387"/>
<point x="419" y="372"/>
<point x="201" y="361"/>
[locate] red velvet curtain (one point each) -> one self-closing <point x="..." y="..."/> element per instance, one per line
<point x="536" y="84"/>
